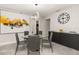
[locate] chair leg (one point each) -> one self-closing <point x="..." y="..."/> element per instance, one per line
<point x="41" y="44"/>
<point x="27" y="51"/>
<point x="51" y="46"/>
<point x="25" y="43"/>
<point x="16" y="49"/>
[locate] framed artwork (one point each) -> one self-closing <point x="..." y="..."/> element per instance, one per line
<point x="9" y="23"/>
<point x="16" y="22"/>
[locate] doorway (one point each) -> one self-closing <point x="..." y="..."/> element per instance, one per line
<point x="47" y="26"/>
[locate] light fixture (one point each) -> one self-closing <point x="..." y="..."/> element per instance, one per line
<point x="36" y="4"/>
<point x="36" y="16"/>
<point x="37" y="20"/>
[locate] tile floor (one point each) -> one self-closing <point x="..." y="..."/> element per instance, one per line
<point x="57" y="50"/>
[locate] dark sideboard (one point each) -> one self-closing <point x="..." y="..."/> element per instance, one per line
<point x="66" y="39"/>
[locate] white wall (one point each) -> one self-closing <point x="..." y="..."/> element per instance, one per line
<point x="10" y="38"/>
<point x="7" y="39"/>
<point x="72" y="25"/>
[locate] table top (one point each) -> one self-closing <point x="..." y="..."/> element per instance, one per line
<point x="27" y="36"/>
<point x="40" y="36"/>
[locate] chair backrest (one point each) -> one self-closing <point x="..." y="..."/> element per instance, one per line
<point x="26" y="33"/>
<point x="33" y="43"/>
<point x="17" y="38"/>
<point x="40" y="32"/>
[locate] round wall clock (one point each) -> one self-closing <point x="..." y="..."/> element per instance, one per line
<point x="63" y="18"/>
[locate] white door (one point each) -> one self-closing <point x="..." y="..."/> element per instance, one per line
<point x="47" y="26"/>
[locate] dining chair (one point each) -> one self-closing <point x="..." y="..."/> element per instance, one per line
<point x="26" y="33"/>
<point x="33" y="44"/>
<point x="46" y="39"/>
<point x="40" y="33"/>
<point x="18" y="42"/>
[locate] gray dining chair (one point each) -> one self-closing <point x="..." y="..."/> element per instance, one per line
<point x="33" y="44"/>
<point x="46" y="39"/>
<point x="18" y="42"/>
<point x="26" y="33"/>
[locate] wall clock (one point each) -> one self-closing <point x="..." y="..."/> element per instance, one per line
<point x="63" y="18"/>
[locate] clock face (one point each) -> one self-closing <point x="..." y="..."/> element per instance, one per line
<point x="63" y="18"/>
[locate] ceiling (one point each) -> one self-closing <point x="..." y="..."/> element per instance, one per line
<point x="30" y="9"/>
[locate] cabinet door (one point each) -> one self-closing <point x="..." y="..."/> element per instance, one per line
<point x="74" y="41"/>
<point x="56" y="37"/>
<point x="65" y="38"/>
<point x="70" y="40"/>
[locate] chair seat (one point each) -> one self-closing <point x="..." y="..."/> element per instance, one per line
<point x="21" y="42"/>
<point x="45" y="41"/>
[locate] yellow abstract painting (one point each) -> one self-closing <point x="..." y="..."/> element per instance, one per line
<point x="13" y="22"/>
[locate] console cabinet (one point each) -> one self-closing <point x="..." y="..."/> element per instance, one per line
<point x="67" y="39"/>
